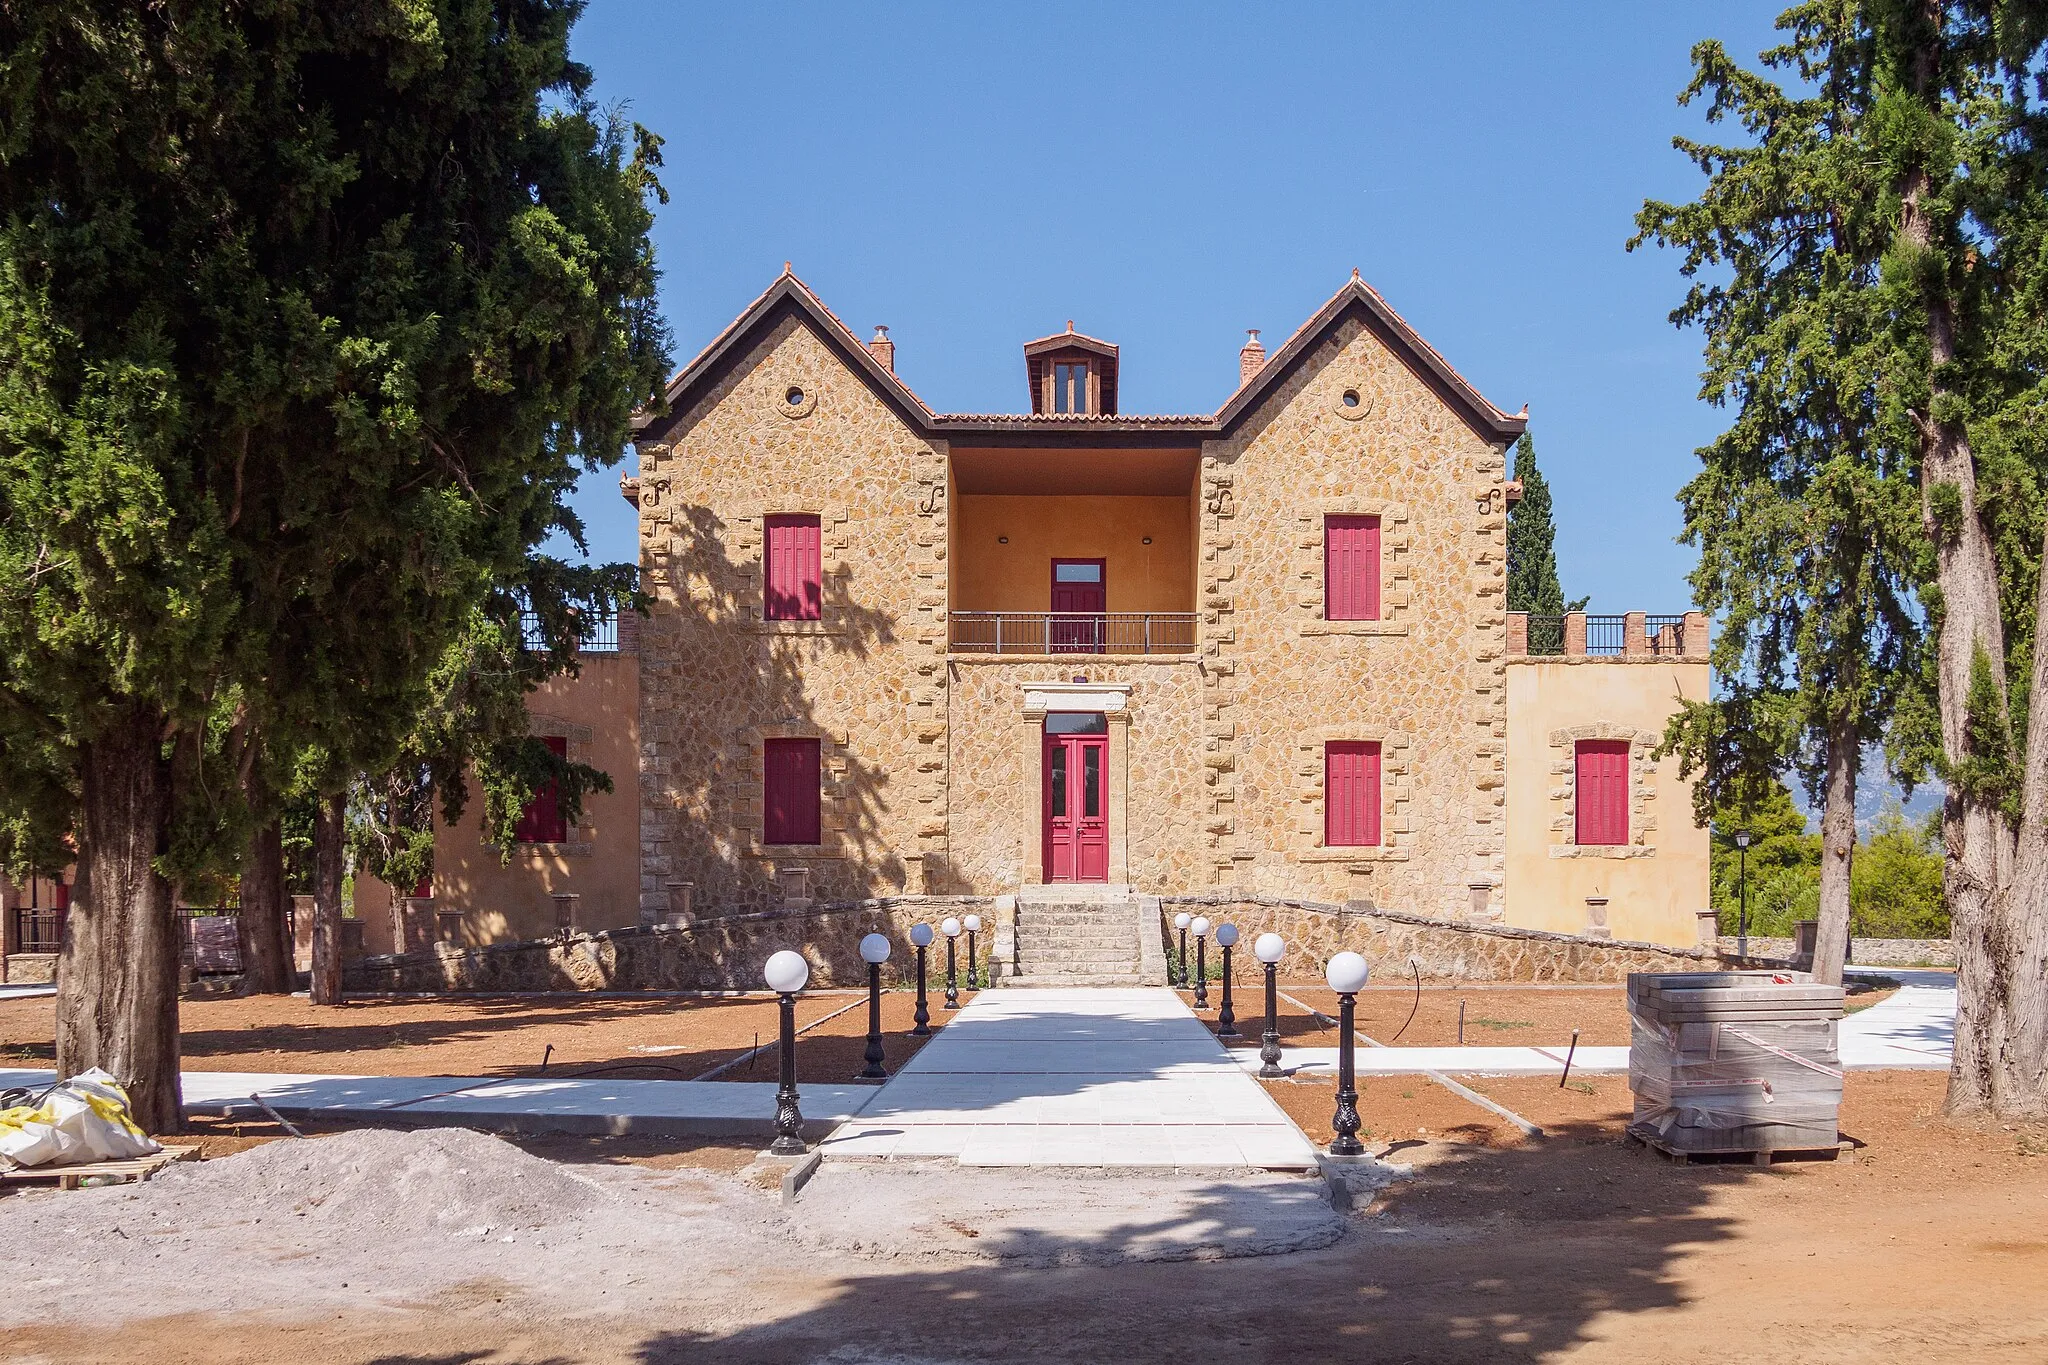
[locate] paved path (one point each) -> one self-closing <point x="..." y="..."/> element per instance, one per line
<point x="1912" y="1031"/>
<point x="1076" y="1077"/>
<point x="538" y="1105"/>
<point x="25" y="992"/>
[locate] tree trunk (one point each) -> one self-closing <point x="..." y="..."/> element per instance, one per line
<point x="1837" y="852"/>
<point x="266" y="932"/>
<point x="117" y="982"/>
<point x="327" y="841"/>
<point x="1978" y="836"/>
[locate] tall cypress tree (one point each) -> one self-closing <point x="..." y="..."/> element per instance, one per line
<point x="1533" y="584"/>
<point x="310" y="315"/>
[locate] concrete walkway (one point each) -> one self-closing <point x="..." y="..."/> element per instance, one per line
<point x="538" y="1105"/>
<point x="1076" y="1077"/>
<point x="1912" y="1031"/>
<point x="25" y="992"/>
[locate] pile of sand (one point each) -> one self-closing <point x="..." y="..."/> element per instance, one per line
<point x="364" y="1218"/>
<point x="383" y="1184"/>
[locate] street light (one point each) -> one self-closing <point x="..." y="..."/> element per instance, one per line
<point x="1268" y="950"/>
<point x="1200" y="929"/>
<point x="874" y="950"/>
<point x="921" y="939"/>
<point x="1346" y="973"/>
<point x="1180" y="961"/>
<point x="786" y="974"/>
<point x="951" y="929"/>
<point x="973" y="923"/>
<point x="1742" y="885"/>
<point x="1226" y="1019"/>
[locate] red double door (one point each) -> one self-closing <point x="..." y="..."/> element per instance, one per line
<point x="1076" y="799"/>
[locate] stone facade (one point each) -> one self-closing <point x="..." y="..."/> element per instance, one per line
<point x="933" y="764"/>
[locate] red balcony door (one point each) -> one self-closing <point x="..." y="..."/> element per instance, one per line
<point x="1080" y="596"/>
<point x="1076" y="798"/>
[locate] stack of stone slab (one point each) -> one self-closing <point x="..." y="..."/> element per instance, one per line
<point x="1734" y="1061"/>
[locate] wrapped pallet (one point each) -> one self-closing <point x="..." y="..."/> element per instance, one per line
<point x="1734" y="1061"/>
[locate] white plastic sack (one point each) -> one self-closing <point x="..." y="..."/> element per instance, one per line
<point x="83" y="1119"/>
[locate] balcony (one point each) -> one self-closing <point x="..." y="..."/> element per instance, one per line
<point x="1041" y="632"/>
<point x="1632" y="636"/>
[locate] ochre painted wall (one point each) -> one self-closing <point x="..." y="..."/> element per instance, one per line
<point x="988" y="576"/>
<point x="1656" y="884"/>
<point x="598" y="712"/>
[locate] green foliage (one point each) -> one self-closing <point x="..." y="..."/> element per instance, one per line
<point x="1533" y="584"/>
<point x="310" y="315"/>
<point x="1894" y="882"/>
<point x="1806" y="522"/>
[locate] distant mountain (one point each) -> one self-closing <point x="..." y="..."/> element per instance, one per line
<point x="1874" y="790"/>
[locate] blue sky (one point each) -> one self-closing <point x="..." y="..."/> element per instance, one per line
<point x="974" y="175"/>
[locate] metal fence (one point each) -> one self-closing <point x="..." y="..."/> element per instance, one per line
<point x="1666" y="635"/>
<point x="1606" y="634"/>
<point x="38" y="930"/>
<point x="1546" y="634"/>
<point x="1033" y="632"/>
<point x="600" y="635"/>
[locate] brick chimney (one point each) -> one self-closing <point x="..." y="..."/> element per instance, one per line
<point x="1251" y="359"/>
<point x="883" y="349"/>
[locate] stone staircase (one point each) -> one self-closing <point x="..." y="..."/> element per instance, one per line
<point x="1084" y="936"/>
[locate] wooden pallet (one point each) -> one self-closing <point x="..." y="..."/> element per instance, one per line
<point x="1843" y="1150"/>
<point x="109" y="1172"/>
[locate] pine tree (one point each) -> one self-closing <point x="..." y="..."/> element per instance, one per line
<point x="1533" y="585"/>
<point x="310" y="315"/>
<point x="1802" y="515"/>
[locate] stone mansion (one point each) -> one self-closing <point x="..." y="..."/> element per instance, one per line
<point x="1263" y="651"/>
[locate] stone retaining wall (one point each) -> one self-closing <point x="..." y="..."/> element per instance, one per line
<point x="1867" y="952"/>
<point x="713" y="954"/>
<point x="1443" y="950"/>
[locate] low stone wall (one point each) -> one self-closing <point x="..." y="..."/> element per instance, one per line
<point x="30" y="969"/>
<point x="1443" y="950"/>
<point x="1867" y="952"/>
<point x="725" y="953"/>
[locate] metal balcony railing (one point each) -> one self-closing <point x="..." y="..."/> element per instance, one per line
<point x="1039" y="632"/>
<point x="1606" y="635"/>
<point x="600" y="636"/>
<point x="1666" y="635"/>
<point x="38" y="931"/>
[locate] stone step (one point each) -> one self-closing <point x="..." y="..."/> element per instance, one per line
<point x="1026" y="982"/>
<point x="1090" y="937"/>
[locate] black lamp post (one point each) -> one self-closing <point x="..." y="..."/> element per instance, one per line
<point x="1201" y="931"/>
<point x="1226" y="1018"/>
<point x="1180" y="959"/>
<point x="921" y="939"/>
<point x="1742" y="890"/>
<point x="1347" y="974"/>
<point x="1268" y="950"/>
<point x="874" y="950"/>
<point x="786" y="974"/>
<point x="973" y="923"/>
<point x="951" y="929"/>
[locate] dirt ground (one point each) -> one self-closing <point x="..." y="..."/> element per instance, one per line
<point x="675" y="1039"/>
<point x="1495" y="1016"/>
<point x="1927" y="1246"/>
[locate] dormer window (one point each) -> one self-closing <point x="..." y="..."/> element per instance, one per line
<point x="1071" y="374"/>
<point x="1070" y="388"/>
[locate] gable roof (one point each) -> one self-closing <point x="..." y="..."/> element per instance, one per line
<point x="789" y="296"/>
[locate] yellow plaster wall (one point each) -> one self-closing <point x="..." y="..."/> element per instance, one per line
<point x="598" y="711"/>
<point x="988" y="576"/>
<point x="1654" y="885"/>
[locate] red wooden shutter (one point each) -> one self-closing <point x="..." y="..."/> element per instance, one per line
<point x="541" y="821"/>
<point x="1351" y="794"/>
<point x="795" y="569"/>
<point x="789" y="792"/>
<point x="1351" y="568"/>
<point x="1601" y="791"/>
